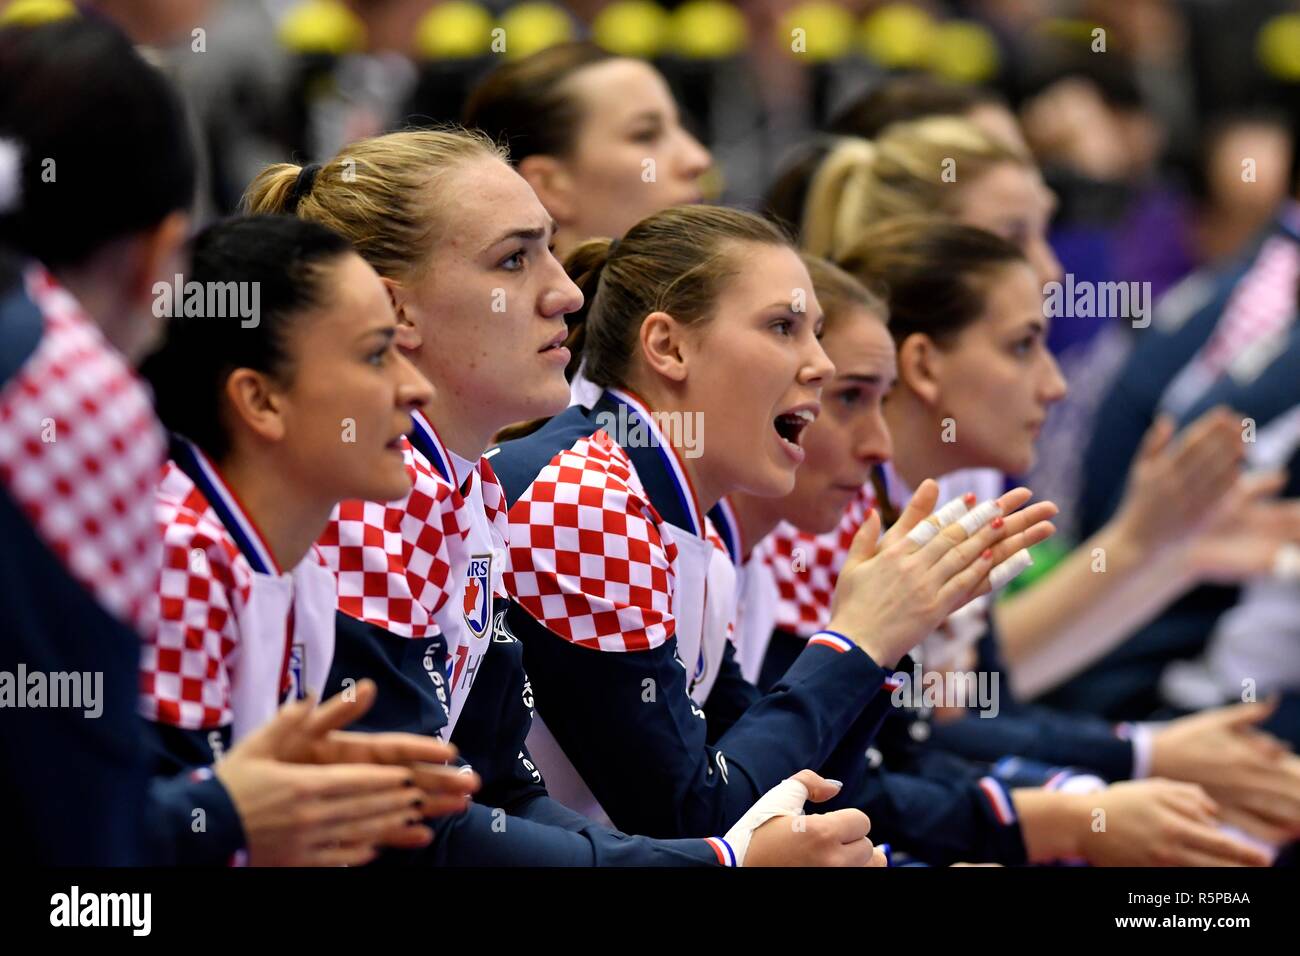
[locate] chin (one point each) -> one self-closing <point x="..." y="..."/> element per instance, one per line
<point x="771" y="482"/>
<point x="543" y="402"/>
<point x="390" y="486"/>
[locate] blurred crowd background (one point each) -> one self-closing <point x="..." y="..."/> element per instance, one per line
<point x="1140" y="111"/>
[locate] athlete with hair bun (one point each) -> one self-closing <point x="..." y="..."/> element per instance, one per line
<point x="464" y="247"/>
<point x="623" y="594"/>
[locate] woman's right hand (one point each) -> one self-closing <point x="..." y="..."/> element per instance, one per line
<point x="1157" y="823"/>
<point x="322" y="813"/>
<point x="892" y="592"/>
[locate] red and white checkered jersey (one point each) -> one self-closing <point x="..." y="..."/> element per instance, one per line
<point x="394" y="561"/>
<point x="231" y="643"/>
<point x="1263" y="303"/>
<point x="80" y="449"/>
<point x="205" y="581"/>
<point x="589" y="557"/>
<point x="805" y="567"/>
<point x="391" y="559"/>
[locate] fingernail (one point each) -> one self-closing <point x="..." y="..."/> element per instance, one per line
<point x="997" y="522"/>
<point x="837" y="784"/>
<point x="969" y="498"/>
<point x="988" y="553"/>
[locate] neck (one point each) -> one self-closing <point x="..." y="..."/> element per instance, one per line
<point x="709" y="488"/>
<point x="289" y="520"/>
<point x="919" y="449"/>
<point x="456" y="426"/>
<point x="757" y="517"/>
<point x="99" y="299"/>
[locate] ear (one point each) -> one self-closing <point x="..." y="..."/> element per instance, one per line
<point x="661" y="339"/>
<point x="553" y="185"/>
<point x="408" y="336"/>
<point x="154" y="251"/>
<point x="256" y="403"/>
<point x="919" y="361"/>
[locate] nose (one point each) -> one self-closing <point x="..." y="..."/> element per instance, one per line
<point x="561" y="296"/>
<point x="874" y="445"/>
<point x="1054" y="385"/>
<point x="413" y="389"/>
<point x="817" y="368"/>
<point x="696" y="159"/>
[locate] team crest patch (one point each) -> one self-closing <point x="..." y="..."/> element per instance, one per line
<point x="478" y="594"/>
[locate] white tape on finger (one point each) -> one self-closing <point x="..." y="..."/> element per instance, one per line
<point x="1006" y="572"/>
<point x="979" y="516"/>
<point x="922" y="533"/>
<point x="786" y="799"/>
<point x="950" y="512"/>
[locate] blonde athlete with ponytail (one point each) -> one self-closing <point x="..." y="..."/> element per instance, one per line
<point x="464" y="249"/>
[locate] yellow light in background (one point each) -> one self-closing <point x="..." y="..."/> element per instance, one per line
<point x="708" y="30"/>
<point x="33" y="12"/>
<point x="898" y="35"/>
<point x="1278" y="46"/>
<point x="828" y="31"/>
<point x="631" y="28"/>
<point x="457" y="30"/>
<point x="964" y="51"/>
<point x="322" y="26"/>
<point x="531" y="27"/>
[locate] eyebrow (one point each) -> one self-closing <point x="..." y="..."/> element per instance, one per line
<point x="387" y="331"/>
<point x="528" y="235"/>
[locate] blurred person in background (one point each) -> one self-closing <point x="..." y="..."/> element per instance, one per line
<point x="598" y="137"/>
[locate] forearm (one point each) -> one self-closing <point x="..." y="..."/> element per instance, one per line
<point x="1103" y="591"/>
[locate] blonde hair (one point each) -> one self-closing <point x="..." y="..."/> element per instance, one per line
<point x="676" y="261"/>
<point x="902" y="172"/>
<point x="378" y="193"/>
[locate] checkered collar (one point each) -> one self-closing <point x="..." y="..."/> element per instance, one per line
<point x="658" y="465"/>
<point x="225" y="504"/>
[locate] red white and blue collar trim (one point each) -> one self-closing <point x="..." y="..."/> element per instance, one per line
<point x="424" y="437"/>
<point x="724" y="519"/>
<point x="234" y="517"/>
<point x="668" y="456"/>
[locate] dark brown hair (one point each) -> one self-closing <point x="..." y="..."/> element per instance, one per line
<point x="676" y="261"/>
<point x="933" y="272"/>
<point x="526" y="105"/>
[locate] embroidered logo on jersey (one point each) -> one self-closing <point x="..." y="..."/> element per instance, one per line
<point x="501" y="633"/>
<point x="478" y="594"/>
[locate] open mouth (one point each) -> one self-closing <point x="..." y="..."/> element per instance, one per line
<point x="790" y="425"/>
